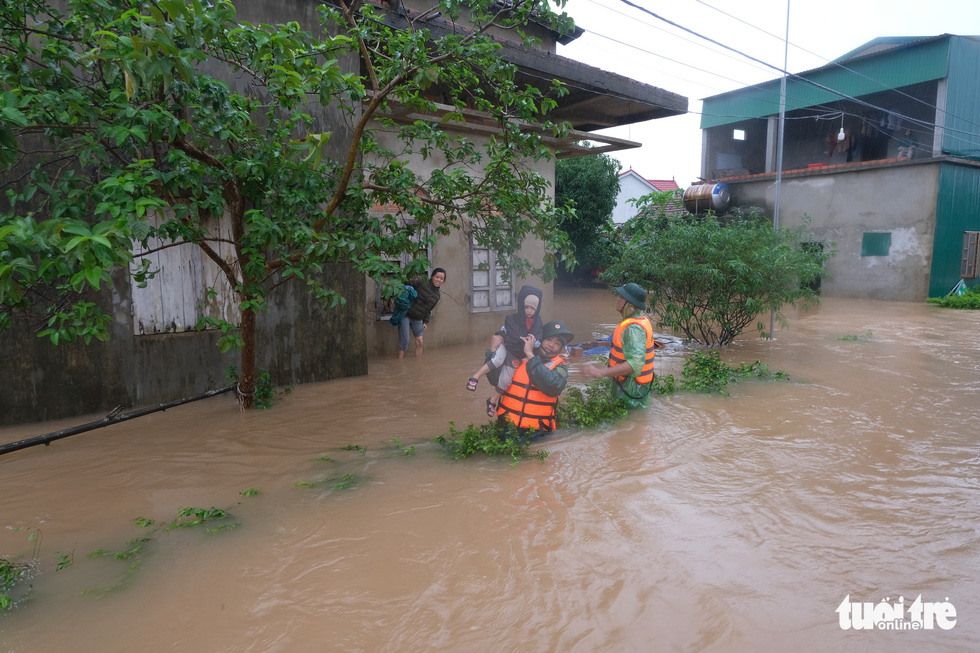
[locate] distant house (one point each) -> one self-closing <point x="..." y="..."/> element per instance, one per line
<point x="905" y="228"/>
<point x="632" y="186"/>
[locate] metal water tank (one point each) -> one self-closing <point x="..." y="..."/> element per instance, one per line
<point x="701" y="198"/>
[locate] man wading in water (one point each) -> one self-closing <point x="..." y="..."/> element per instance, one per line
<point x="529" y="403"/>
<point x="631" y="355"/>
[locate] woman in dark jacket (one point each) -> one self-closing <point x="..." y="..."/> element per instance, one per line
<point x="418" y="315"/>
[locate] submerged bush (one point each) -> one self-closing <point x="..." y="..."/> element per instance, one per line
<point x="705" y="372"/>
<point x="11" y="575"/>
<point x="969" y="300"/>
<point x="590" y="408"/>
<point x="493" y="439"/>
<point x="710" y="278"/>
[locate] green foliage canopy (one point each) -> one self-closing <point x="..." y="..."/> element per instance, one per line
<point x="592" y="184"/>
<point x="710" y="278"/>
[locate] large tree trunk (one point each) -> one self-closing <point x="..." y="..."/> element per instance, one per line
<point x="246" y="380"/>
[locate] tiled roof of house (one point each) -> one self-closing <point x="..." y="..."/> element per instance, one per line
<point x="663" y="184"/>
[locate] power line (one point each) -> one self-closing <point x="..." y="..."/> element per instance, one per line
<point x="839" y="65"/>
<point x="795" y="76"/>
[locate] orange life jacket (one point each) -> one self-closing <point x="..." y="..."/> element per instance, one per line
<point x="616" y="356"/>
<point x="525" y="405"/>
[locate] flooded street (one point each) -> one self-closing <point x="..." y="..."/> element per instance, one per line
<point x="718" y="523"/>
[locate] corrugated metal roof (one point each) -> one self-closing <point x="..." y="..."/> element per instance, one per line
<point x="902" y="65"/>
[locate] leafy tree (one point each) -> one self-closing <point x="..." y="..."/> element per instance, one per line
<point x="710" y="278"/>
<point x="129" y="123"/>
<point x="592" y="184"/>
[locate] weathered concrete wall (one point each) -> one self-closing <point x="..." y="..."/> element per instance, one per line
<point x="897" y="198"/>
<point x="297" y="341"/>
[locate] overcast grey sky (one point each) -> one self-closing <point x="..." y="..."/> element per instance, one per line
<point x="625" y="40"/>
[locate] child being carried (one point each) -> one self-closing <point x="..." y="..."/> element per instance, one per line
<point x="507" y="345"/>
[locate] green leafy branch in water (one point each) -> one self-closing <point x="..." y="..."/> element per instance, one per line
<point x="408" y="451"/>
<point x="852" y="338"/>
<point x="133" y="553"/>
<point x="14" y="574"/>
<point x="705" y="372"/>
<point x="190" y="517"/>
<point x="11" y="575"/>
<point x="590" y="408"/>
<point x="65" y="560"/>
<point x="339" y="482"/>
<point x="493" y="439"/>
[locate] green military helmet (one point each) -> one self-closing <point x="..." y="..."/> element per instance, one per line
<point x="634" y="294"/>
<point x="552" y="329"/>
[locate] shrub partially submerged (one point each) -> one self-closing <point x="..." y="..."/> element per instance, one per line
<point x="493" y="439"/>
<point x="590" y="408"/>
<point x="969" y="300"/>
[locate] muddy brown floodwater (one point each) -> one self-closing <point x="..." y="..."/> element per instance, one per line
<point x="707" y="523"/>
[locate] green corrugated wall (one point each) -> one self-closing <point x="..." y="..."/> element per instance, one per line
<point x="962" y="134"/>
<point x="957" y="210"/>
<point x="895" y="68"/>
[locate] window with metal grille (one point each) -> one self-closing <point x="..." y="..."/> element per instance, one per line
<point x="968" y="266"/>
<point x="876" y="244"/>
<point x="490" y="280"/>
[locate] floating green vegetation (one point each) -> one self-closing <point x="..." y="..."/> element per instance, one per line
<point x="968" y="301"/>
<point x="408" y="451"/>
<point x="339" y="482"/>
<point x="492" y="439"/>
<point x="136" y="549"/>
<point x="705" y="372"/>
<point x="133" y="549"/>
<point x="65" y="560"/>
<point x="322" y="459"/>
<point x="354" y="447"/>
<point x="14" y="574"/>
<point x="853" y="338"/>
<point x="250" y="492"/>
<point x="191" y="517"/>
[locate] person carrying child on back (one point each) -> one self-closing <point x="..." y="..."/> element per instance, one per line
<point x="531" y="400"/>
<point x="507" y="358"/>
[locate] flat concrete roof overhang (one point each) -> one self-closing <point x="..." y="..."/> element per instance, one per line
<point x="597" y="99"/>
<point x="478" y="123"/>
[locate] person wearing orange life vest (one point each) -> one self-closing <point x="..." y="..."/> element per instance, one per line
<point x="530" y="401"/>
<point x="631" y="356"/>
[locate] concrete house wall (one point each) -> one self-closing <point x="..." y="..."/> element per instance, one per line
<point x="844" y="206"/>
<point x="857" y="190"/>
<point x="631" y="186"/>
